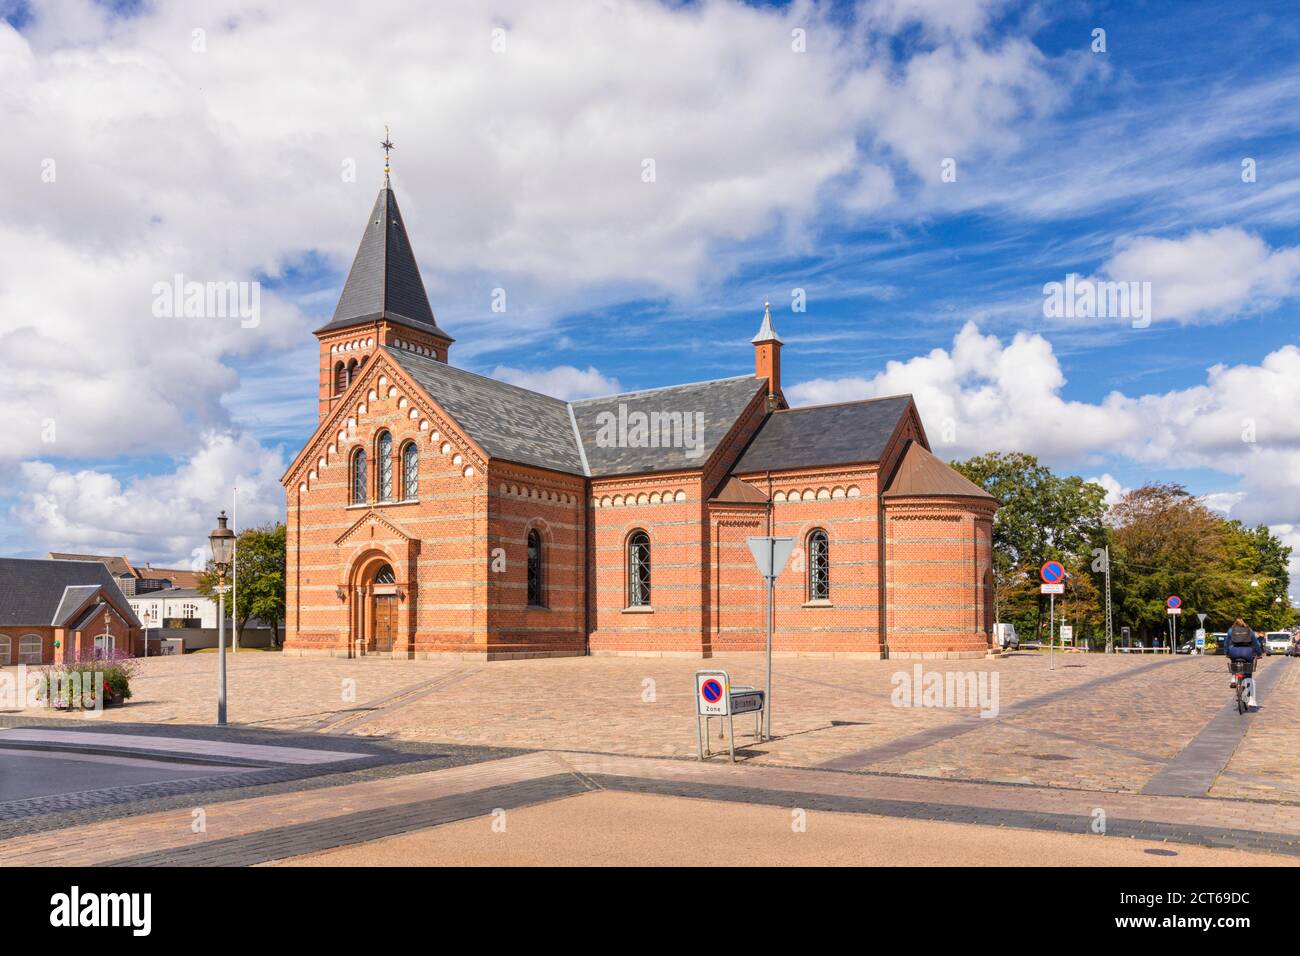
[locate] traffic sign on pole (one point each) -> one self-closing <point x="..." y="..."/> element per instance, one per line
<point x="770" y="554"/>
<point x="1052" y="571"/>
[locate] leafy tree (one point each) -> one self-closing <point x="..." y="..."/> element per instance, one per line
<point x="260" y="560"/>
<point x="1041" y="517"/>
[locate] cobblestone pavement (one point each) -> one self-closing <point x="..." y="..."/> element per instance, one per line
<point x="1095" y="722"/>
<point x="285" y="826"/>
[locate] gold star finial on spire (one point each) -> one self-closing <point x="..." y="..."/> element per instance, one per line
<point x="387" y="146"/>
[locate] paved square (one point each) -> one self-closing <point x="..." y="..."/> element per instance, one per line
<point x="1111" y="723"/>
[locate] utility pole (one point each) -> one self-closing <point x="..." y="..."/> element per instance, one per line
<point x="1110" y="631"/>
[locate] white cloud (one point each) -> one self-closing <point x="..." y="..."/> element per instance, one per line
<point x="990" y="396"/>
<point x="1208" y="275"/>
<point x="228" y="159"/>
<point x="163" y="518"/>
<point x="562" y="381"/>
<point x="1114" y="490"/>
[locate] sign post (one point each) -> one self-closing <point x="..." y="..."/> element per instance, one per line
<point x="1174" y="605"/>
<point x="1053" y="575"/>
<point x="716" y="697"/>
<point x="770" y="555"/>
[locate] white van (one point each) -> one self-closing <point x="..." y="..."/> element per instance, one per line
<point x="1277" y="642"/>
<point x="1004" y="636"/>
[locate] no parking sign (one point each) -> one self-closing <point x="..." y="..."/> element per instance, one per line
<point x="712" y="695"/>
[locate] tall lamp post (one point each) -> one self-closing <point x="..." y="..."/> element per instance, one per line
<point x="222" y="541"/>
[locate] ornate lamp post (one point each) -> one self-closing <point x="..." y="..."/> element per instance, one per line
<point x="222" y="541"/>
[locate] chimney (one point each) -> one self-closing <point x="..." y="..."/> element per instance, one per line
<point x="767" y="359"/>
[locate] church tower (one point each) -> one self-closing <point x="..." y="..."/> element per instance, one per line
<point x="767" y="359"/>
<point x="383" y="303"/>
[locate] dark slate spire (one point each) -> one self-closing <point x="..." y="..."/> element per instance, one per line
<point x="385" y="281"/>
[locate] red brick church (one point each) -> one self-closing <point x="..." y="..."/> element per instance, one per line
<point x="436" y="511"/>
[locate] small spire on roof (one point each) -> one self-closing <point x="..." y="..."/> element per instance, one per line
<point x="387" y="145"/>
<point x="765" y="332"/>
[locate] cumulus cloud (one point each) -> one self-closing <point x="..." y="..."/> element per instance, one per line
<point x="1203" y="277"/>
<point x="981" y="395"/>
<point x="231" y="141"/>
<point x="562" y="381"/>
<point x="164" y="518"/>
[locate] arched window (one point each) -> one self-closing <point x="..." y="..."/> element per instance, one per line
<point x="5" y="650"/>
<point x="359" y="477"/>
<point x="29" y="649"/>
<point x="410" y="471"/>
<point x="535" y="596"/>
<point x="385" y="575"/>
<point x="352" y="371"/>
<point x="340" y="378"/>
<point x="384" y="467"/>
<point x="819" y="566"/>
<point x="638" y="569"/>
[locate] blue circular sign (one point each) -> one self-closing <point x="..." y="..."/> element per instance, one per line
<point x="1052" y="571"/>
<point x="712" y="690"/>
<point x="1174" y="601"/>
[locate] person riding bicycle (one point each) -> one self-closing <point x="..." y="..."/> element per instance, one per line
<point x="1244" y="645"/>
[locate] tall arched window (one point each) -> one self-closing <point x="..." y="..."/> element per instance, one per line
<point x="359" y="477"/>
<point x="410" y="471"/>
<point x="352" y="371"/>
<point x="536" y="597"/>
<point x="819" y="566"/>
<point x="638" y="569"/>
<point x="340" y="378"/>
<point x="384" y="467"/>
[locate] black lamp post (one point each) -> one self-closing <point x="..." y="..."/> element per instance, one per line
<point x="222" y="541"/>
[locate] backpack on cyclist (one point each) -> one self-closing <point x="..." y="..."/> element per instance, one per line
<point x="1240" y="642"/>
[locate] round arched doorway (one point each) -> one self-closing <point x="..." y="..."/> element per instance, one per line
<point x="375" y="606"/>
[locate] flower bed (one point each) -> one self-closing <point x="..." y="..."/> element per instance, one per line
<point x="87" y="683"/>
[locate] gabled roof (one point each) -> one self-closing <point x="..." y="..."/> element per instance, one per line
<point x="384" y="282"/>
<point x="841" y="434"/>
<point x="736" y="492"/>
<point x="74" y="599"/>
<point x="118" y="564"/>
<point x="692" y="421"/>
<point x="920" y="474"/>
<point x="595" y="436"/>
<point x="33" y="590"/>
<point x="179" y="577"/>
<point x="506" y="421"/>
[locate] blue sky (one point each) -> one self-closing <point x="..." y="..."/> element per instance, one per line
<point x="776" y="170"/>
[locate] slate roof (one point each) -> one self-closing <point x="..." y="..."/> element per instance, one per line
<point x="841" y="434"/>
<point x="384" y="281"/>
<point x="519" y="425"/>
<point x="32" y="591"/>
<point x="706" y="410"/>
<point x="921" y="474"/>
<point x="507" y="421"/>
<point x="118" y="564"/>
<point x="74" y="598"/>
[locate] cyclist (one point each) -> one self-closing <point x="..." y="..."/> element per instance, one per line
<point x="1244" y="645"/>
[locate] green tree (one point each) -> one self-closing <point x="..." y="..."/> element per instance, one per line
<point x="1041" y="517"/>
<point x="260" y="561"/>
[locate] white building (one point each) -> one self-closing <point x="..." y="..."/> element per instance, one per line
<point x="175" y="607"/>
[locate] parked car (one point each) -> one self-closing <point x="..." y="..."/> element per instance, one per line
<point x="1004" y="636"/>
<point x="1278" y="642"/>
<point x="1295" y="646"/>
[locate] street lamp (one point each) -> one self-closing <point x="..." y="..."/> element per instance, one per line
<point x="222" y="541"/>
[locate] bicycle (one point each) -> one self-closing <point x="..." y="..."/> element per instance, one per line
<point x="1241" y="671"/>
